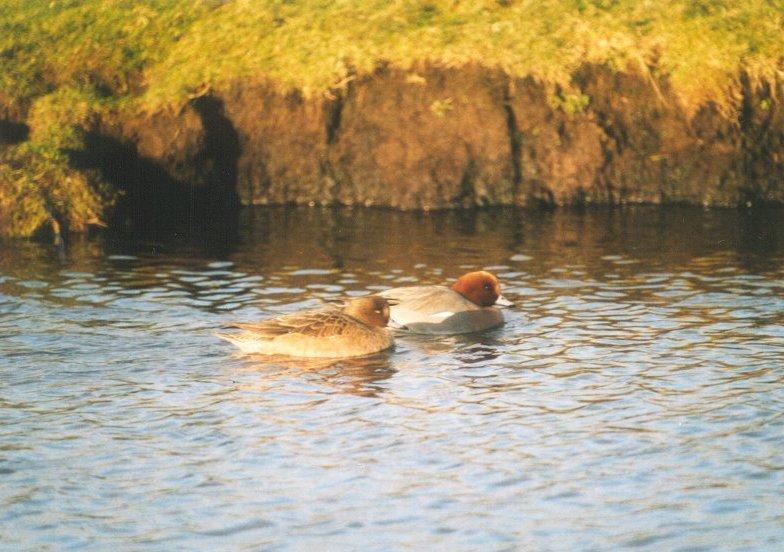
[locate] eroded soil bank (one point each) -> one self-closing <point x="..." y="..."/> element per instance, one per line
<point x="440" y="137"/>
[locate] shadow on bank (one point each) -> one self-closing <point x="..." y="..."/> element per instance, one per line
<point x="197" y="201"/>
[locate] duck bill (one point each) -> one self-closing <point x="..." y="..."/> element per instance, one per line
<point x="503" y="302"/>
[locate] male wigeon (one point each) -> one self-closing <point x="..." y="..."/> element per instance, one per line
<point x="355" y="330"/>
<point x="467" y="306"/>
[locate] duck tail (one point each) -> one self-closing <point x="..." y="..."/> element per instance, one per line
<point x="231" y="338"/>
<point x="244" y="341"/>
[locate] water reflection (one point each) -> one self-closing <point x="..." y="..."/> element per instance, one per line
<point x="633" y="398"/>
<point x="357" y="376"/>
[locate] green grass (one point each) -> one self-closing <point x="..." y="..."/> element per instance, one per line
<point x="160" y="51"/>
<point x="63" y="61"/>
<point x="313" y="45"/>
<point x="39" y="191"/>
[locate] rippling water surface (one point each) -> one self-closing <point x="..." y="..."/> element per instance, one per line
<point x="634" y="399"/>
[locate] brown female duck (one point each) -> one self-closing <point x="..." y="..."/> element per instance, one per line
<point x="359" y="328"/>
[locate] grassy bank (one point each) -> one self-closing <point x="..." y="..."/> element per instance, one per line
<point x="160" y="50"/>
<point x="62" y="62"/>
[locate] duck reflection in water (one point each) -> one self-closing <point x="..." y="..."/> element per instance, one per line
<point x="468" y="349"/>
<point x="360" y="376"/>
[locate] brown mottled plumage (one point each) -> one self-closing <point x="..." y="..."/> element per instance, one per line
<point x="357" y="329"/>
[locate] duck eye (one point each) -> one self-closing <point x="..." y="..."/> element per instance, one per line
<point x="487" y="287"/>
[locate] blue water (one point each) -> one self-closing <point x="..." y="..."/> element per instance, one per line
<point x="634" y="398"/>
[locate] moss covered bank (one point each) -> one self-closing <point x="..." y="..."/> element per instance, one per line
<point x="153" y="107"/>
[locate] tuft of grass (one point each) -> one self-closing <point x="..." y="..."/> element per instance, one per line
<point x="570" y="103"/>
<point x="58" y="119"/>
<point x="39" y="189"/>
<point x="41" y="192"/>
<point x="440" y="108"/>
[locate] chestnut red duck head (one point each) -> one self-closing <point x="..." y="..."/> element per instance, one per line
<point x="481" y="288"/>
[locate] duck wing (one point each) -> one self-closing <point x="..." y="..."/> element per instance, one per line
<point x="315" y="323"/>
<point x="439" y="301"/>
